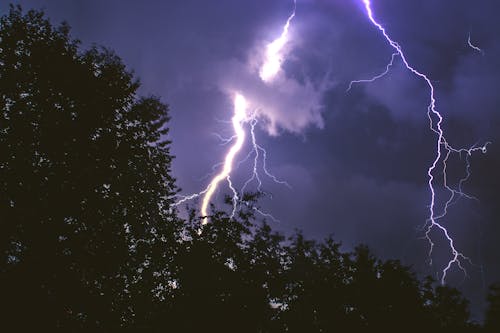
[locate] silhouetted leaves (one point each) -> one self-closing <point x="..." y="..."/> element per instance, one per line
<point x="86" y="184"/>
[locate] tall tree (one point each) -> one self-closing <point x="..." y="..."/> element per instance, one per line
<point x="85" y="207"/>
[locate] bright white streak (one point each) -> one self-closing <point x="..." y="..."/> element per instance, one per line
<point x="478" y="49"/>
<point x="443" y="151"/>
<point x="240" y="107"/>
<point x="270" y="69"/>
<point x="274" y="56"/>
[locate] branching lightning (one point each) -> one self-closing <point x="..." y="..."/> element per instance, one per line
<point x="242" y="119"/>
<point x="376" y="77"/>
<point x="270" y="68"/>
<point x="443" y="152"/>
<point x="240" y="116"/>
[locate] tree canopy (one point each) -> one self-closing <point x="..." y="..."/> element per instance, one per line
<point x="90" y="239"/>
<point x="85" y="178"/>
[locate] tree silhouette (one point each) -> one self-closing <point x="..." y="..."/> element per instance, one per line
<point x="86" y="185"/>
<point x="492" y="323"/>
<point x="328" y="290"/>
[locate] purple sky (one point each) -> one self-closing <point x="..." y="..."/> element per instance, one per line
<point x="357" y="161"/>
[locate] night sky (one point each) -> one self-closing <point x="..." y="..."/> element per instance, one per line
<point x="356" y="161"/>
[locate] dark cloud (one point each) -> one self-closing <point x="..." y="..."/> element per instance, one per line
<point x="362" y="176"/>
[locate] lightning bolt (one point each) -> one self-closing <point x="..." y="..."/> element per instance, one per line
<point x="443" y="152"/>
<point x="240" y="116"/>
<point x="274" y="51"/>
<point x="270" y="68"/>
<point x="474" y="47"/>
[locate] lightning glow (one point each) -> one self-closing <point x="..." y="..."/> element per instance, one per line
<point x="270" y="68"/>
<point x="274" y="51"/>
<point x="443" y="152"/>
<point x="240" y="107"/>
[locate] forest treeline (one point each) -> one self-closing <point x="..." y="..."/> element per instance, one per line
<point x="90" y="239"/>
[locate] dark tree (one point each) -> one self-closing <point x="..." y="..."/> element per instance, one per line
<point x="264" y="273"/>
<point x="222" y="278"/>
<point x="85" y="218"/>
<point x="492" y="322"/>
<point x="327" y="290"/>
<point x="449" y="309"/>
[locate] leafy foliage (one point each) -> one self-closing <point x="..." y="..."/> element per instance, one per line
<point x="85" y="177"/>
